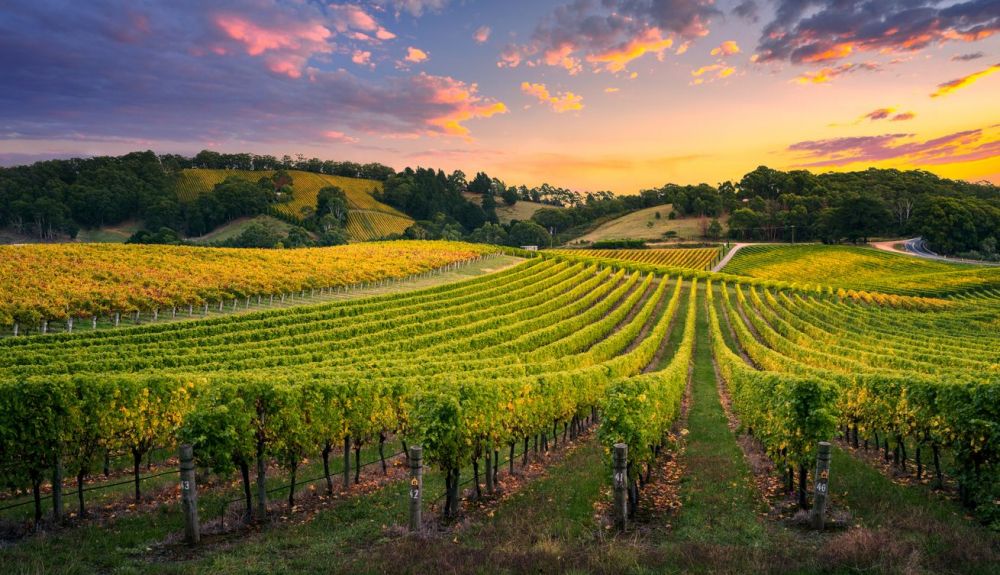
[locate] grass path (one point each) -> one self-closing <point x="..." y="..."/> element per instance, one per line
<point x="719" y="498"/>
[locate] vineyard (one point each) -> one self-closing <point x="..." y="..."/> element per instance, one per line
<point x="368" y="219"/>
<point x="42" y="283"/>
<point x="370" y="225"/>
<point x="865" y="269"/>
<point x="696" y="258"/>
<point x="572" y="352"/>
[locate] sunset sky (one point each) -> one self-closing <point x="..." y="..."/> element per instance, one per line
<point x="590" y="94"/>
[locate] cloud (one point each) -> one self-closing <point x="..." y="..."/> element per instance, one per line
<point x="412" y="7"/>
<point x="355" y="23"/>
<point x="415" y="55"/>
<point x="336" y="136"/>
<point x="286" y="46"/>
<point x="459" y="102"/>
<point x="747" y="11"/>
<point x="482" y="34"/>
<point x="830" y="30"/>
<point x="880" y="114"/>
<point x="616" y="58"/>
<point x="958" y="147"/>
<point x="727" y="48"/>
<point x="190" y="82"/>
<point x="887" y="114"/>
<point x="561" y="102"/>
<point x="362" y="58"/>
<point x="720" y="71"/>
<point x="967" y="57"/>
<point x="959" y="83"/>
<point x="825" y="75"/>
<point x="609" y="35"/>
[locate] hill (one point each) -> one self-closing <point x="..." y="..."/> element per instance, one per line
<point x="521" y="211"/>
<point x="367" y="219"/>
<point x="861" y="268"/>
<point x="644" y="225"/>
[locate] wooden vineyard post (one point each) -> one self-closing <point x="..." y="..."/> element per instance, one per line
<point x="818" y="515"/>
<point x="57" y="499"/>
<point x="416" y="485"/>
<point x="347" y="463"/>
<point x="189" y="496"/>
<point x="621" y="485"/>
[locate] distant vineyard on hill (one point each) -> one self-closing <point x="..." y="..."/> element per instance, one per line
<point x="42" y="282"/>
<point x="696" y="259"/>
<point x="862" y="269"/>
<point x="368" y="219"/>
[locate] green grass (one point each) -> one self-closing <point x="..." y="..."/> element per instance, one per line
<point x="237" y="226"/>
<point x="636" y="225"/>
<point x="109" y="234"/>
<point x="719" y="499"/>
<point x="521" y="211"/>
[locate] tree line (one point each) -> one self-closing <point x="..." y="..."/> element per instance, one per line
<point x="57" y="198"/>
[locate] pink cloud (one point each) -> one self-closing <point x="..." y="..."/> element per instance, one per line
<point x="362" y="58"/>
<point x="285" y="46"/>
<point x="336" y="136"/>
<point x="482" y="34"/>
<point x="352" y="20"/>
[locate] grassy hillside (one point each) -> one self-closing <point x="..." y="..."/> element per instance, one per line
<point x="520" y="211"/>
<point x="368" y="219"/>
<point x="636" y="225"/>
<point x="237" y="226"/>
<point x="861" y="268"/>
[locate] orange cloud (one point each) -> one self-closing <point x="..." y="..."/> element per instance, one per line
<point x="949" y="87"/>
<point x="415" y="55"/>
<point x="720" y="71"/>
<point x="461" y="102"/>
<point x="836" y="52"/>
<point x="617" y="58"/>
<point x="825" y="75"/>
<point x="563" y="102"/>
<point x="727" y="48"/>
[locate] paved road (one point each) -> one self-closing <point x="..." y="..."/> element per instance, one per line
<point x="722" y="263"/>
<point x="918" y="247"/>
